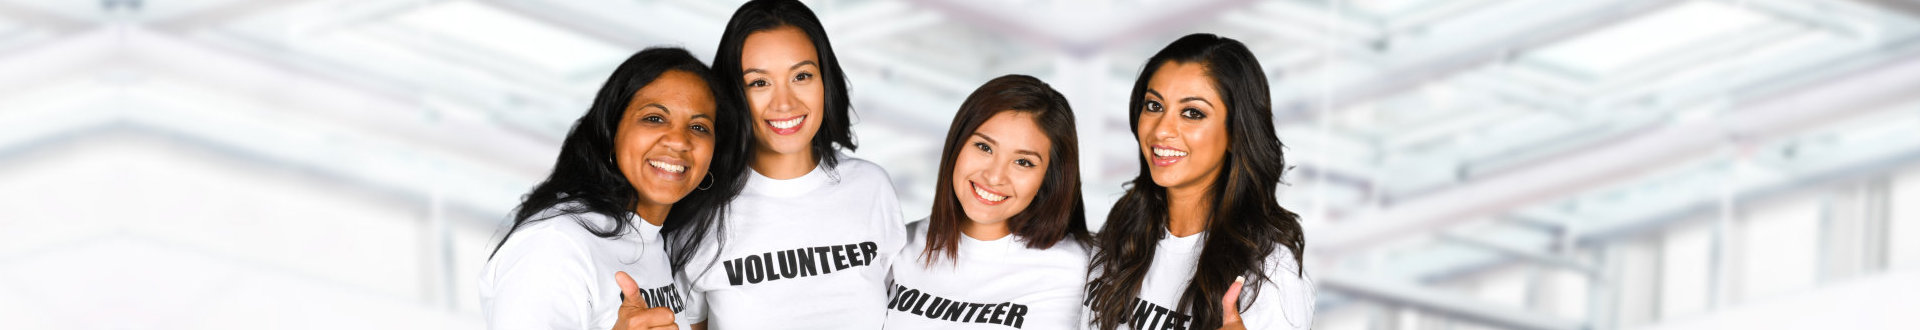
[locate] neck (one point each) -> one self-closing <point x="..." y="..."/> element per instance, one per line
<point x="984" y="232"/>
<point x="782" y="166"/>
<point x="1188" y="210"/>
<point x="655" y="214"/>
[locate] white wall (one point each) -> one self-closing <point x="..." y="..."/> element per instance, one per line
<point x="133" y="230"/>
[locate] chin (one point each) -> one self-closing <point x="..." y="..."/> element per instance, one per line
<point x="1161" y="178"/>
<point x="666" y="195"/>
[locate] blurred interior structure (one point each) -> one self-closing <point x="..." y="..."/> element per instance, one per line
<point x="1460" y="164"/>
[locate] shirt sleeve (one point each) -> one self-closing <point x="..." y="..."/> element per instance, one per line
<point x="887" y="212"/>
<point x="1286" y="300"/>
<point x="693" y="302"/>
<point x="539" y="281"/>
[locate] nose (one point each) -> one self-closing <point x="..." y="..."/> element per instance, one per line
<point x="1164" y="129"/>
<point x="677" y="141"/>
<point x="996" y="175"/>
<point x="783" y="99"/>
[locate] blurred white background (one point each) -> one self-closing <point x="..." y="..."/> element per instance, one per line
<point x="1461" y="164"/>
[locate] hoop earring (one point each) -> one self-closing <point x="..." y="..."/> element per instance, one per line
<point x="709" y="182"/>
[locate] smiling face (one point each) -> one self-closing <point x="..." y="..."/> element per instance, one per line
<point x="665" y="139"/>
<point x="1183" y="127"/>
<point x="781" y="72"/>
<point x="999" y="170"/>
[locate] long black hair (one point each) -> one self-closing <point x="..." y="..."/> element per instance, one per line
<point x="763" y="15"/>
<point x="1246" y="224"/>
<point x="1056" y="213"/>
<point x="586" y="180"/>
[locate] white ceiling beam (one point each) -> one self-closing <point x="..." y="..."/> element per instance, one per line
<point x="1849" y="89"/>
<point x="1519" y="28"/>
<point x="1084" y="30"/>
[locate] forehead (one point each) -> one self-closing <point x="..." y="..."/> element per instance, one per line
<point x="1178" y="80"/>
<point x="1015" y="129"/>
<point x="679" y="91"/>
<point x="781" y="46"/>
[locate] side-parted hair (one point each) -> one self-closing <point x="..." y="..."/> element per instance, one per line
<point x="587" y="180"/>
<point x="1246" y="224"/>
<point x="1057" y="211"/>
<point x="763" y="15"/>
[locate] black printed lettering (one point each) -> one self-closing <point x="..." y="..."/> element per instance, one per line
<point x="919" y="303"/>
<point x="1016" y="315"/>
<point x="932" y="307"/>
<point x="787" y="270"/>
<point x="772" y="274"/>
<point x="797" y="263"/>
<point x="733" y="271"/>
<point x="839" y="257"/>
<point x="867" y="251"/>
<point x="755" y="271"/>
<point x="804" y="259"/>
<point x="822" y="253"/>
<point x="1147" y="315"/>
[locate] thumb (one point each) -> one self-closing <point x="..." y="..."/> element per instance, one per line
<point x="629" y="289"/>
<point x="1230" y="304"/>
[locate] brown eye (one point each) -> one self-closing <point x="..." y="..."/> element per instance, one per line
<point x="803" y="76"/>
<point x="654" y="119"/>
<point x="1192" y="113"/>
<point x="702" y="128"/>
<point x="1023" y="162"/>
<point x="757" y="83"/>
<point x="1153" y="106"/>
<point x="983" y="147"/>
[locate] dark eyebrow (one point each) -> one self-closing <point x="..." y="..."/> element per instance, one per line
<point x="1017" y="151"/>
<point x="984" y="136"/>
<point x="1030" y="152"/>
<point x="795" y="66"/>
<point x="657" y="105"/>
<point x="1196" y="98"/>
<point x="1155" y="93"/>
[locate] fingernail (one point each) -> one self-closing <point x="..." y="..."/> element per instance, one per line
<point x="1239" y="279"/>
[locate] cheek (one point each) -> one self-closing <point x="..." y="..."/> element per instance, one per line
<point x="702" y="156"/>
<point x="1029" y="187"/>
<point x="757" y="104"/>
<point x="815" y="97"/>
<point x="626" y="144"/>
<point x="1212" y="140"/>
<point x="963" y="166"/>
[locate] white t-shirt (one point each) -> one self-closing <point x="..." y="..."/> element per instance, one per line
<point x="998" y="284"/>
<point x="1285" y="301"/>
<point x="554" y="274"/>
<point x="804" y="253"/>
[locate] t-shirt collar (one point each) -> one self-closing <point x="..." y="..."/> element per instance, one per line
<point x="759" y="184"/>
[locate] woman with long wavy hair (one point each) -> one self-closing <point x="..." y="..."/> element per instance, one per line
<point x="1199" y="240"/>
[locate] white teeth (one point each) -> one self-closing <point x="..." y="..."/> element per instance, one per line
<point x="1168" y="153"/>
<point x="786" y="124"/>
<point x="671" y="168"/>
<point x="991" y="197"/>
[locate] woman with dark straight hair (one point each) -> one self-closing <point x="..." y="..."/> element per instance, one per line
<point x="1199" y="239"/>
<point x="809" y="238"/>
<point x="653" y="154"/>
<point x="1005" y="237"/>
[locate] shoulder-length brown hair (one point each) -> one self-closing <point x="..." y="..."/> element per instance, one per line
<point x="1056" y="211"/>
